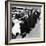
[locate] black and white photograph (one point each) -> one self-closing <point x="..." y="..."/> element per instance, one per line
<point x="24" y="22"/>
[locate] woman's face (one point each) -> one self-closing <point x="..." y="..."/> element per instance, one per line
<point x="13" y="17"/>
